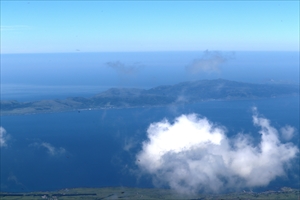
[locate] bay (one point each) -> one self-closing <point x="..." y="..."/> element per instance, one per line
<point x="97" y="148"/>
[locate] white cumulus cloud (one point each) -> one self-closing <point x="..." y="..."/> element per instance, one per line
<point x="193" y="154"/>
<point x="3" y="137"/>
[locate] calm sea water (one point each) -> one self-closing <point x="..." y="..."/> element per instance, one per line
<point x="98" y="148"/>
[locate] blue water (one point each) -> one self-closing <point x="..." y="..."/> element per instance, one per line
<point x="95" y="141"/>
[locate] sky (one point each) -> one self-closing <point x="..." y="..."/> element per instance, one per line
<point x="126" y="26"/>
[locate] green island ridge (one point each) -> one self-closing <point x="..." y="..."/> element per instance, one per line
<point x="182" y="93"/>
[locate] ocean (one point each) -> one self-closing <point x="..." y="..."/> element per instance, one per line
<point x="98" y="148"/>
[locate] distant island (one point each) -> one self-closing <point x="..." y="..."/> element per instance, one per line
<point x="181" y="93"/>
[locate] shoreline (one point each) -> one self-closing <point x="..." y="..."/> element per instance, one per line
<point x="49" y="111"/>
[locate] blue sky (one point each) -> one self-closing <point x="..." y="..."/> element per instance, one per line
<point x="100" y="26"/>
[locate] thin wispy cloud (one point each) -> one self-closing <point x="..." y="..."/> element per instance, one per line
<point x="287" y="132"/>
<point x="193" y="154"/>
<point x="208" y="63"/>
<point x="14" y="179"/>
<point x="123" y="69"/>
<point x="129" y="143"/>
<point x="51" y="150"/>
<point x="14" y="28"/>
<point x="3" y="137"/>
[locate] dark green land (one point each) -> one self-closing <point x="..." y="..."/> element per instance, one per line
<point x="186" y="92"/>
<point x="140" y="193"/>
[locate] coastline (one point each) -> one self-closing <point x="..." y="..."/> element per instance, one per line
<point x="33" y="110"/>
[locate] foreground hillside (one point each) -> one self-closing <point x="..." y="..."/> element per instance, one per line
<point x="186" y="92"/>
<point x="142" y="193"/>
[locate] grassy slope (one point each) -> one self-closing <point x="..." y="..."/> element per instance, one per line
<point x="140" y="193"/>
